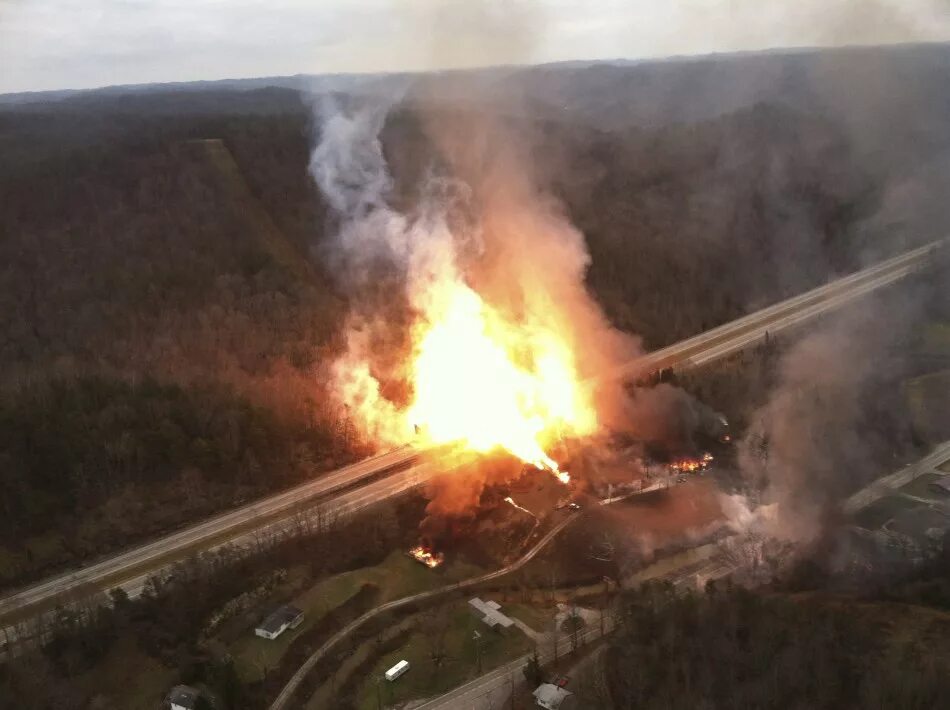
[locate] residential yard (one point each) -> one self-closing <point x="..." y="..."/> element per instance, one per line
<point x="397" y="576"/>
<point x="453" y="632"/>
<point x="537" y="617"/>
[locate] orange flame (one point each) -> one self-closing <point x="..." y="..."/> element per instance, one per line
<point x="479" y="380"/>
<point x="427" y="557"/>
<point x="688" y="465"/>
<point x="487" y="383"/>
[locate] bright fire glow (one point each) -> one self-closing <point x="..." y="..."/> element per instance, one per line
<point x="426" y="556"/>
<point x="478" y="379"/>
<point x="488" y="384"/>
<point x="689" y="465"/>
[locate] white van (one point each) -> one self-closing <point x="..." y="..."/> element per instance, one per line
<point x="397" y="670"/>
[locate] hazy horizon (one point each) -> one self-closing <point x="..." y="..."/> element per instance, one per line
<point x="66" y="44"/>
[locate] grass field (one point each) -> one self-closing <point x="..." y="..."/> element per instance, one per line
<point x="395" y="577"/>
<point x="919" y="487"/>
<point x="928" y="398"/>
<point x="423" y="679"/>
<point x="917" y="523"/>
<point x="935" y="339"/>
<point x="538" y="618"/>
<point x="880" y="511"/>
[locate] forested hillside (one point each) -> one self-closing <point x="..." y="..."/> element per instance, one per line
<point x="731" y="647"/>
<point x="166" y="308"/>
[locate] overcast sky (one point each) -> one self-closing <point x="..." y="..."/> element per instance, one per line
<point x="52" y="44"/>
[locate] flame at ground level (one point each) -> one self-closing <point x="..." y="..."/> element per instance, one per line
<point x="426" y="556"/>
<point x="483" y="381"/>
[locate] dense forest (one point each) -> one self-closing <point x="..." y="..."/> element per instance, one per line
<point x="167" y="311"/>
<point x="789" y="647"/>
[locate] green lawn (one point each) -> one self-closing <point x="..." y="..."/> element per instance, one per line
<point x="423" y="679"/>
<point x="538" y="618"/>
<point x="395" y="577"/>
<point x="935" y="339"/>
<point x="928" y="398"/>
<point x="920" y="487"/>
<point x="880" y="511"/>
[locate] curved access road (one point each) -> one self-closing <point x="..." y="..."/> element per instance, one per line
<point x="287" y="693"/>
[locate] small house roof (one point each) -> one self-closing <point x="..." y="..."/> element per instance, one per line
<point x="184" y="696"/>
<point x="279" y="618"/>
<point x="491" y="613"/>
<point x="550" y="696"/>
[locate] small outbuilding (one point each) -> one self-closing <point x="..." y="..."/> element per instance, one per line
<point x="182" y="697"/>
<point x="283" y="618"/>
<point x="552" y="697"/>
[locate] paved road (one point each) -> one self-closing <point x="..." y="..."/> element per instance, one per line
<point x="128" y="569"/>
<point x="682" y="570"/>
<point x="287" y="693"/>
<point x="727" y="339"/>
<point x="888" y="484"/>
<point x="146" y="559"/>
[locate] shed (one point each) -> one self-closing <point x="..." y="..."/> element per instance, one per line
<point x="281" y="619"/>
<point x="551" y="697"/>
<point x="182" y="697"/>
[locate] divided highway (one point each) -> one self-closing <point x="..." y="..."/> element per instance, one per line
<point x="732" y="337"/>
<point x="350" y="489"/>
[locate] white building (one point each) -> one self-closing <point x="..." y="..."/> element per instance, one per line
<point x="550" y="696"/>
<point x="489" y="612"/>
<point x="286" y="617"/>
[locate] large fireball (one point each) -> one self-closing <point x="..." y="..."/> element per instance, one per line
<point x="478" y="379"/>
<point x="486" y="383"/>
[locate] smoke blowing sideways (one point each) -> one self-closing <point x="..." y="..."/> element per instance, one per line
<point x="503" y="336"/>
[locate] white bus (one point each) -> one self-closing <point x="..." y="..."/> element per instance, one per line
<point x="397" y="670"/>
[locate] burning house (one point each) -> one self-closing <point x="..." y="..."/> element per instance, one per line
<point x="426" y="556"/>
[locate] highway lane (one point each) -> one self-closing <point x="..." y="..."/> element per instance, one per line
<point x="726" y="339"/>
<point x="130" y="568"/>
<point x="146" y="559"/>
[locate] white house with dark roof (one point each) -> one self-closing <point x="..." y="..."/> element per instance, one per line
<point x="283" y="618"/>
